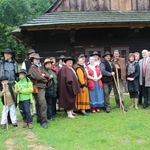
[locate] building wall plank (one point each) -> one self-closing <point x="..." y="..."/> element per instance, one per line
<point x="140" y="4"/>
<point x="73" y="5"/>
<point x="101" y="5"/>
<point x="128" y="5"/>
<point x="80" y="5"/>
<point x="86" y="5"/>
<point x="93" y="5"/>
<point x="114" y="4"/>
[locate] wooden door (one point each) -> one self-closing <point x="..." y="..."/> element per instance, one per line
<point x="124" y="51"/>
<point x="89" y="51"/>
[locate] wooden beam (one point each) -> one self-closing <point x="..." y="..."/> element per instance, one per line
<point x="82" y="26"/>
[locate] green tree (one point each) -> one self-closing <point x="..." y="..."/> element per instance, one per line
<point x="13" y="14"/>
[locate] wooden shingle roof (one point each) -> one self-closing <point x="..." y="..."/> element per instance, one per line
<point x="57" y="20"/>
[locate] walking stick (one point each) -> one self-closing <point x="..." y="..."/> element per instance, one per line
<point x="118" y="90"/>
<point x="5" y="106"/>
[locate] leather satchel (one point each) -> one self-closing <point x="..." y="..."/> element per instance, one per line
<point x="35" y="89"/>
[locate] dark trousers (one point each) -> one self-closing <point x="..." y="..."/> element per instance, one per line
<point x="41" y="106"/>
<point x="107" y="87"/>
<point x="140" y="94"/>
<point x="24" y="107"/>
<point x="49" y="107"/>
<point x="54" y="101"/>
<point x="146" y="93"/>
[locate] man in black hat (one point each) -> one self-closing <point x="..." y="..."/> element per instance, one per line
<point x="8" y="65"/>
<point x="27" y="62"/>
<point x="68" y="86"/>
<point x="107" y="72"/>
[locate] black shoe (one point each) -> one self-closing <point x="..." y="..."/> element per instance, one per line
<point x="144" y="106"/>
<point x="44" y="125"/>
<point x="84" y="113"/>
<point x="108" y="110"/>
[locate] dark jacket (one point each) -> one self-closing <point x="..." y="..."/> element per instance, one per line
<point x="2" y="72"/>
<point x="133" y="86"/>
<point x="50" y="90"/>
<point x="36" y="76"/>
<point x="106" y="71"/>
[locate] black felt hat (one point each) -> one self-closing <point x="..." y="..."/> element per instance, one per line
<point x="61" y="57"/>
<point x="95" y="53"/>
<point x="3" y="77"/>
<point x="7" y="50"/>
<point x="69" y="58"/>
<point x="107" y="53"/>
<point x="30" y="51"/>
<point x="82" y="55"/>
<point x="22" y="71"/>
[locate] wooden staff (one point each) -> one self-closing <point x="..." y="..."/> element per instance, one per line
<point x="118" y="90"/>
<point x="5" y="105"/>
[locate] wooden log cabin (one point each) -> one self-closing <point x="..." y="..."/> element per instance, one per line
<point x="71" y="27"/>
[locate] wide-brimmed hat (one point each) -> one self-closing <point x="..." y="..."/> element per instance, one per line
<point x="47" y="60"/>
<point x="36" y="56"/>
<point x="82" y="55"/>
<point x="30" y="51"/>
<point x="22" y="71"/>
<point x="69" y="58"/>
<point x="4" y="77"/>
<point x="95" y="53"/>
<point x="7" y="50"/>
<point x="61" y="57"/>
<point x="107" y="53"/>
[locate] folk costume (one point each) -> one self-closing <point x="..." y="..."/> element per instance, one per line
<point x="122" y="78"/>
<point x="95" y="88"/>
<point x="68" y="87"/>
<point x="83" y="100"/>
<point x="9" y="101"/>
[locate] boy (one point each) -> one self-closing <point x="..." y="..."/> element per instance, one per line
<point x="24" y="89"/>
<point x="8" y="99"/>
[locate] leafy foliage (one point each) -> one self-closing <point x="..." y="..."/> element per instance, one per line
<point x="13" y="14"/>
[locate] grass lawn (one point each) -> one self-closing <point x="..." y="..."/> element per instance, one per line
<point x="100" y="131"/>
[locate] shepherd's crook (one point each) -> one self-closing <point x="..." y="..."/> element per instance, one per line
<point x="118" y="90"/>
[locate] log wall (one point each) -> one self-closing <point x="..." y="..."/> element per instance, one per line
<point x="101" y="5"/>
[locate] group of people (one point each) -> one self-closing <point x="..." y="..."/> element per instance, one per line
<point x="76" y="84"/>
